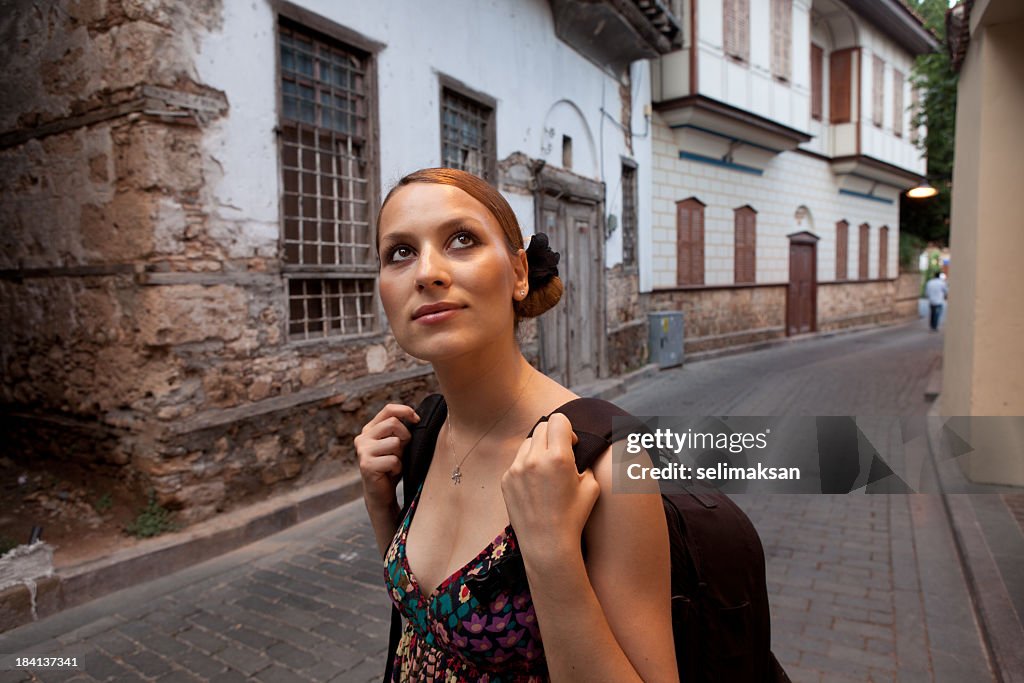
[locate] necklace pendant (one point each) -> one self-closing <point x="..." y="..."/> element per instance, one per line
<point x="457" y="475"/>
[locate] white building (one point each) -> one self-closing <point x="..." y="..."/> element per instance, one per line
<point x="782" y="140"/>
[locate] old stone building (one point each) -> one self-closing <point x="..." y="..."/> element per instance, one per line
<point x="187" y="286"/>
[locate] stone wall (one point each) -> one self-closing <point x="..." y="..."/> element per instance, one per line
<point x="716" y="317"/>
<point x="626" y="323"/>
<point x="854" y="304"/>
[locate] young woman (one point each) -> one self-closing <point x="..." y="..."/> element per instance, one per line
<point x="455" y="281"/>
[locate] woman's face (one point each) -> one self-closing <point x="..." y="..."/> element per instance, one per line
<point x="447" y="277"/>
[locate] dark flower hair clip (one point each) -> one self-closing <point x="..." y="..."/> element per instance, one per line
<point x="542" y="260"/>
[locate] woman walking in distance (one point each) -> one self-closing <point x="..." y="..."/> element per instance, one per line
<point x="455" y="281"/>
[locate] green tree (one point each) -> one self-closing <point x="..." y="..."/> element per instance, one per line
<point x="928" y="219"/>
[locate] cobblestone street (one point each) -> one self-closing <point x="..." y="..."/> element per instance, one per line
<point x="862" y="587"/>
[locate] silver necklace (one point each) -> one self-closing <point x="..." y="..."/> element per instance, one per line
<point x="457" y="472"/>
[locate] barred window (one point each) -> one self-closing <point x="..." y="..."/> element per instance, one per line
<point x="629" y="215"/>
<point x="324" y="138"/>
<point x="467" y="134"/>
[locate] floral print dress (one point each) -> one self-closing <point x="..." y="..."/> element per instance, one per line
<point x="478" y="625"/>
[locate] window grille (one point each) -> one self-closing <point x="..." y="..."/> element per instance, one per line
<point x="327" y="239"/>
<point x="629" y="217"/>
<point x="467" y="137"/>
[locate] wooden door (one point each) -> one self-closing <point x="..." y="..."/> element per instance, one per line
<point x="570" y="346"/>
<point x="802" y="295"/>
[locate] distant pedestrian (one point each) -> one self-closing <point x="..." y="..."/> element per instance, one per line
<point x="936" y="292"/>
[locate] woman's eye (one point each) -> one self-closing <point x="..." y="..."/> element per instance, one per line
<point x="463" y="239"/>
<point x="399" y="253"/>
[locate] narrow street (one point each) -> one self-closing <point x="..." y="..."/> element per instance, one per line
<point x="863" y="588"/>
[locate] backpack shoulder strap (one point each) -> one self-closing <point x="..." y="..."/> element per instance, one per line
<point x="591" y="419"/>
<point x="420" y="450"/>
<point x="415" y="463"/>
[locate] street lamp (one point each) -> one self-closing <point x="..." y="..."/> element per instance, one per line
<point x="922" y="191"/>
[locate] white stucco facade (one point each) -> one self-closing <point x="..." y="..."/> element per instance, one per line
<point x="543" y="90"/>
<point x="739" y="134"/>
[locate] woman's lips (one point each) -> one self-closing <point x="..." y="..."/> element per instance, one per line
<point x="437" y="317"/>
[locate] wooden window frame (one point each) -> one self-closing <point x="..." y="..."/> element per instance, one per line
<point x="842" y="250"/>
<point x="817" y="82"/>
<point x="745" y="245"/>
<point x="883" y="253"/>
<point x="328" y="296"/>
<point x="864" y="252"/>
<point x="840" y="86"/>
<point x="478" y="99"/>
<point x="690" y="247"/>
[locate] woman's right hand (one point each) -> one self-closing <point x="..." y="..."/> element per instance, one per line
<point x="379" y="449"/>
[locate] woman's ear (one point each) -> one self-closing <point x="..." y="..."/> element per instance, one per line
<point x="521" y="268"/>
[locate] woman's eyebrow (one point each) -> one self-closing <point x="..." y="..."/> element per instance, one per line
<point x="443" y="226"/>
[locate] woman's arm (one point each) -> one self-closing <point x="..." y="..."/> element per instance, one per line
<point x="608" y="619"/>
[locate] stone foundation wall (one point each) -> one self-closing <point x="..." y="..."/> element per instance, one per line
<point x="715" y="318"/>
<point x="626" y="322"/>
<point x="853" y="304"/>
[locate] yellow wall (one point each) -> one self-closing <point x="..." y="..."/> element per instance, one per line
<point x="984" y="361"/>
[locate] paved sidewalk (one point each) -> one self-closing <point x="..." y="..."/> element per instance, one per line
<point x="304" y="605"/>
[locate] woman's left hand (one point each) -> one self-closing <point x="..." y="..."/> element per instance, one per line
<point x="548" y="502"/>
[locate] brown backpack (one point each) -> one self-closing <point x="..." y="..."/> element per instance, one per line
<point x="720" y="618"/>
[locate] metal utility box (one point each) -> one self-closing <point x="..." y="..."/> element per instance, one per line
<point x="665" y="340"/>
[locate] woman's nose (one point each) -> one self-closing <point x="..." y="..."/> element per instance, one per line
<point x="432" y="269"/>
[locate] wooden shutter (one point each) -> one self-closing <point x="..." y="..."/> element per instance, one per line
<point x="729" y="27"/>
<point x="782" y="38"/>
<point x="690" y="242"/>
<point x="842" y="252"/>
<point x="915" y="103"/>
<point x="742" y="29"/>
<point x="897" y="103"/>
<point x="817" y="55"/>
<point x="736" y="28"/>
<point x="883" y="253"/>
<point x="865" y="248"/>
<point x="877" y="90"/>
<point x="839" y="96"/>
<point x="745" y="222"/>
